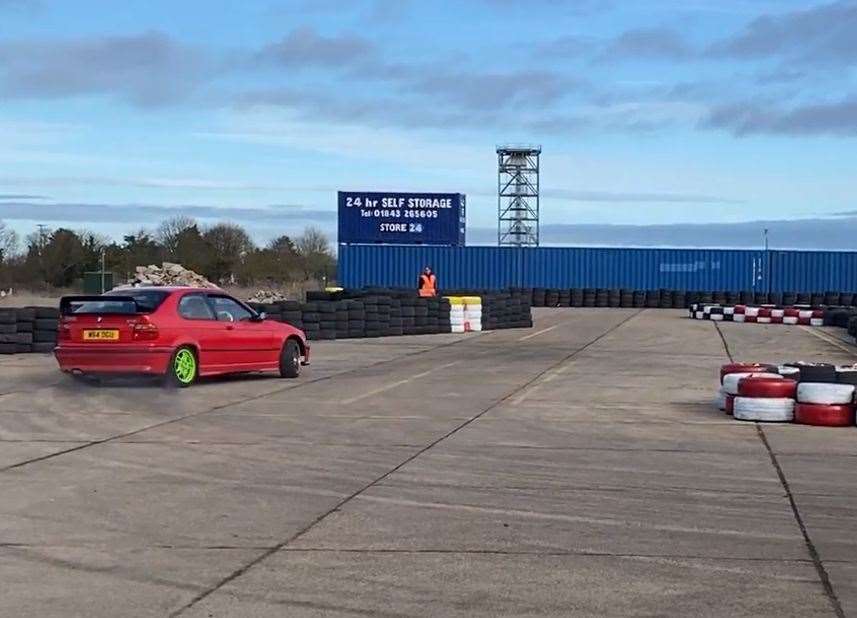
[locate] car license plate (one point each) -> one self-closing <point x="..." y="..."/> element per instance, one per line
<point x="101" y="335"/>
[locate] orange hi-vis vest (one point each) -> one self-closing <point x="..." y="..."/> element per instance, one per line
<point x="428" y="285"/>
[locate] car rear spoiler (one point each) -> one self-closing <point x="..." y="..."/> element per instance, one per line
<point x="67" y="303"/>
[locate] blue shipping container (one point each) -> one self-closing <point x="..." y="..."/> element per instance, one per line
<point x="402" y="218"/>
<point x="580" y="267"/>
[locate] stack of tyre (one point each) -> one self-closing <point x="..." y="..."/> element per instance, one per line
<point x="326" y="320"/>
<point x="385" y="315"/>
<point x="372" y="324"/>
<point x="290" y="312"/>
<point x="311" y="320"/>
<point x="45" y="327"/>
<point x="421" y="316"/>
<point x="432" y="316"/>
<point x="806" y="393"/>
<point x="356" y="311"/>
<point x="840" y="316"/>
<point x="495" y="311"/>
<point x="825" y="395"/>
<point x="767" y="314"/>
<point x="756" y="391"/>
<point x="25" y="327"/>
<point x="394" y="326"/>
<point x="8" y="331"/>
<point x="28" y="329"/>
<point x="501" y="311"/>
<point x="409" y="315"/>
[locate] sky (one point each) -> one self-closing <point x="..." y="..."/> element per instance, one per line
<point x="668" y="122"/>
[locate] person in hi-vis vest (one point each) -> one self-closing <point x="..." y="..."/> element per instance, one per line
<point x="427" y="284"/>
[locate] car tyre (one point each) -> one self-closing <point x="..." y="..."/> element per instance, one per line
<point x="183" y="369"/>
<point x="290" y="359"/>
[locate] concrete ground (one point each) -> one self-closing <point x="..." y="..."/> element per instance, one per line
<point x="577" y="468"/>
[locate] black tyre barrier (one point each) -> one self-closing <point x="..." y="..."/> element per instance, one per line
<point x="28" y="329"/>
<point x="815" y="372"/>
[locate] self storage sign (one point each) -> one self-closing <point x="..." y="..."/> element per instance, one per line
<point x="401" y="218"/>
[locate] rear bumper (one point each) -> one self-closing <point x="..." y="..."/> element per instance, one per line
<point x="119" y="359"/>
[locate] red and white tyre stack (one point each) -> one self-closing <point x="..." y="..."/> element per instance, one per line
<point x="723" y="401"/>
<point x="791" y="315"/>
<point x="731" y="386"/>
<point x="825" y="404"/>
<point x="765" y="398"/>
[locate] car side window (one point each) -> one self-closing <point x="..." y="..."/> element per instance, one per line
<point x="195" y="307"/>
<point x="229" y="310"/>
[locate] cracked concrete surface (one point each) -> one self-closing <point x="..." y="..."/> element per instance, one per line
<point x="580" y="471"/>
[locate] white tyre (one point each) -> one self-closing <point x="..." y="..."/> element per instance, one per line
<point x="790" y="319"/>
<point x="751" y="312"/>
<point x="716" y="317"/>
<point x="763" y="320"/>
<point x="720" y="400"/>
<point x="777" y="410"/>
<point x="825" y="393"/>
<point x="777" y="313"/>
<point x="805" y="314"/>
<point x="728" y="310"/>
<point x="730" y="380"/>
<point x="699" y="315"/>
<point x="816" y="321"/>
<point x="738" y="317"/>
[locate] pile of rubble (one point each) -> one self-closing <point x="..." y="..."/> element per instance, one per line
<point x="168" y="274"/>
<point x="267" y="296"/>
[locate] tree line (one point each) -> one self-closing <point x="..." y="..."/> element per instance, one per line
<point x="224" y="253"/>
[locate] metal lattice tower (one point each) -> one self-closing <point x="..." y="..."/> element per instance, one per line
<point x="518" y="195"/>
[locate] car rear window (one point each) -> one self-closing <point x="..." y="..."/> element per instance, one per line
<point x="145" y="301"/>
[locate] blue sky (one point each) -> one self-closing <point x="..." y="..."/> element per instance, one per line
<point x="666" y="112"/>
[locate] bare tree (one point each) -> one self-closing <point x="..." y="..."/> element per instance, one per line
<point x="315" y="254"/>
<point x="8" y="242"/>
<point x="169" y="232"/>
<point x="313" y="242"/>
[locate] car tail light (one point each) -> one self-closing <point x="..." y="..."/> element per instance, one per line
<point x="64" y="333"/>
<point x="145" y="331"/>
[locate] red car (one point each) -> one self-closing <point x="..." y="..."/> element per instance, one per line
<point x="175" y="332"/>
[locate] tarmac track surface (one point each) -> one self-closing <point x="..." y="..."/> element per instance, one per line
<point x="576" y="468"/>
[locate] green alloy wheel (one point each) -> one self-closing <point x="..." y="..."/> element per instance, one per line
<point x="183" y="367"/>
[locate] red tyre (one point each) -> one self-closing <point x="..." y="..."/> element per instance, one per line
<point x="751" y="319"/>
<point x="764" y="312"/>
<point x="818" y="313"/>
<point x="746" y="368"/>
<point x="740" y="309"/>
<point x="824" y="416"/>
<point x="804" y="321"/>
<point x="791" y="312"/>
<point x="776" y="319"/>
<point x="767" y="387"/>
